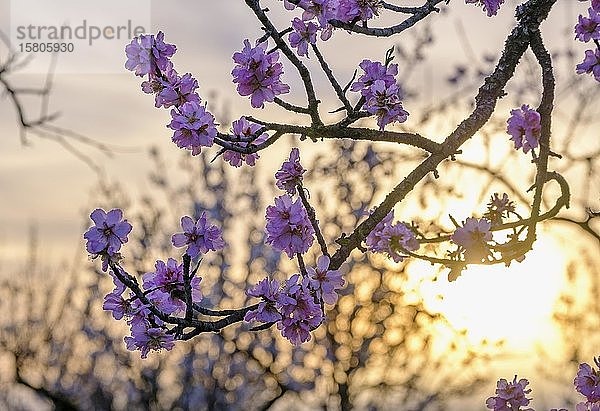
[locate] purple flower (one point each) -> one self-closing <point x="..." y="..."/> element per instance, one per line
<point x="295" y="330"/>
<point x="194" y="127"/>
<point x="292" y="307"/>
<point x="288" y="226"/>
<point x="267" y="311"/>
<point x="392" y="239"/>
<point x="139" y="313"/>
<point x="243" y="129"/>
<point x="149" y="54"/>
<point x="510" y="396"/>
<point x="473" y="237"/>
<point x="323" y="11"/>
<point x="290" y="173"/>
<point x="258" y="75"/>
<point x="199" y="236"/>
<point x="524" y="122"/>
<point x="302" y="35"/>
<point x="364" y="10"/>
<point x="587" y="381"/>
<point x="385" y="104"/>
<point x="156" y="84"/>
<point x="596" y="5"/>
<point x="109" y="232"/>
<point x="591" y="63"/>
<point x="588" y="28"/>
<point x="115" y="302"/>
<point x="401" y="238"/>
<point x="491" y="6"/>
<point x="172" y="90"/>
<point x="588" y="406"/>
<point x="324" y="281"/>
<point x="378" y="239"/>
<point x="374" y="71"/>
<point x="144" y="338"/>
<point x="300" y="312"/>
<point x="288" y="5"/>
<point x="381" y="92"/>
<point x="165" y="287"/>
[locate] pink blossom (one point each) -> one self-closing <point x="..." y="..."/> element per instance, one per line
<point x="324" y="281"/>
<point x="510" y="396"/>
<point x="588" y="28"/>
<point x="166" y="289"/>
<point x="392" y="239"/>
<point x="200" y="236"/>
<point x="145" y="339"/>
<point x="258" y="74"/>
<point x="291" y="172"/>
<point x="489" y="6"/>
<point x="590" y="64"/>
<point x="149" y="54"/>
<point x="108" y="233"/>
<point x="244" y="129"/>
<point x="473" y="237"/>
<point x="524" y="127"/>
<point x="288" y="226"/>
<point x="267" y="311"/>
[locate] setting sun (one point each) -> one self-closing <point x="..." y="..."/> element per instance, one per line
<point x="513" y="304"/>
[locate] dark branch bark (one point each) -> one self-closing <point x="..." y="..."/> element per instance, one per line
<point x="530" y="17"/>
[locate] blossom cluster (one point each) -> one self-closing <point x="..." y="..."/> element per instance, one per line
<point x="149" y="55"/>
<point x="302" y="35"/>
<point x="473" y="238"/>
<point x="258" y="74"/>
<point x="295" y="305"/>
<point x="393" y="239"/>
<point x="512" y="395"/>
<point x="147" y="331"/>
<point x="163" y="290"/>
<point x="194" y="127"/>
<point x="199" y="236"/>
<point x="108" y="234"/>
<point x="588" y="28"/>
<point x="587" y="383"/>
<point x="378" y="87"/>
<point x="354" y="11"/>
<point x="524" y="126"/>
<point x="290" y="175"/>
<point x="289" y="228"/>
<point x="319" y="13"/>
<point x="382" y="94"/>
<point x="165" y="287"/>
<point x="243" y="130"/>
<point x="491" y="7"/>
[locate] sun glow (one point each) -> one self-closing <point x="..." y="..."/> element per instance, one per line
<point x="513" y="304"/>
